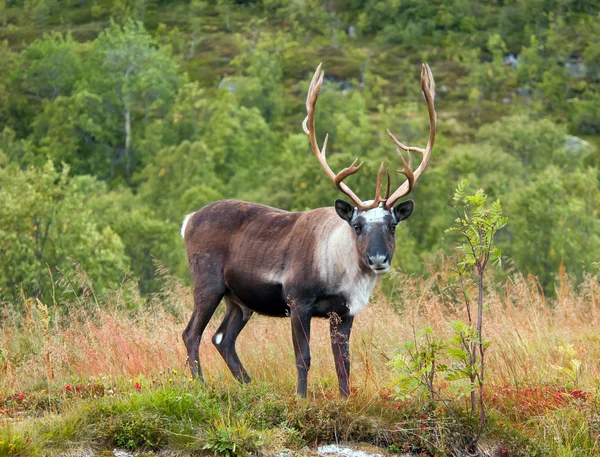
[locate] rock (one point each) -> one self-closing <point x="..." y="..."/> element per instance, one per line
<point x="346" y="451"/>
<point x="121" y="453"/>
<point x="576" y="68"/>
<point x="229" y="84"/>
<point x="575" y="144"/>
<point x="511" y="60"/>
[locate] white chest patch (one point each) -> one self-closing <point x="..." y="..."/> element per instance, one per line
<point x="338" y="267"/>
<point x="359" y="294"/>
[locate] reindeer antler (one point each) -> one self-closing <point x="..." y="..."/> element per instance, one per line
<point x="428" y="86"/>
<point x="309" y="128"/>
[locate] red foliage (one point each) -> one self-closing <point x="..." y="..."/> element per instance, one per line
<point x="535" y="400"/>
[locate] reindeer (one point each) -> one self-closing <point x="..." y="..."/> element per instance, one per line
<point x="319" y="263"/>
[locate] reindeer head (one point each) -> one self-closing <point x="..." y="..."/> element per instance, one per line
<point x="374" y="221"/>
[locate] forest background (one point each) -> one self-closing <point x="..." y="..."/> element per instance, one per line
<point x="118" y="118"/>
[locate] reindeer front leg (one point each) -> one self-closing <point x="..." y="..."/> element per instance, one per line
<point x="339" y="328"/>
<point x="301" y="315"/>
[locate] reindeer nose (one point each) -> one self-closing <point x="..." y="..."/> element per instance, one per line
<point x="379" y="261"/>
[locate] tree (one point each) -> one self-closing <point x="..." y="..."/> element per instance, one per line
<point x="196" y="12"/>
<point x="47" y="231"/>
<point x="478" y="223"/>
<point x="50" y="66"/>
<point x="557" y="222"/>
<point x="224" y="7"/>
<point x="535" y="143"/>
<point x="180" y="180"/>
<point x="149" y="237"/>
<point x="136" y="82"/>
<point x="130" y="9"/>
<point x="41" y="11"/>
<point x="491" y="77"/>
<point x="241" y="143"/>
<point x="259" y="83"/>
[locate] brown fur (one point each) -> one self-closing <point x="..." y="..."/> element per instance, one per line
<point x="273" y="262"/>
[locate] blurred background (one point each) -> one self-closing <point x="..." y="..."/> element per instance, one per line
<point x="117" y="118"/>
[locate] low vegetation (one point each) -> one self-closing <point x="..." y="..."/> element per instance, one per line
<point x="85" y="376"/>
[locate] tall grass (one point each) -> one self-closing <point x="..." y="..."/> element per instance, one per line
<point x="64" y="352"/>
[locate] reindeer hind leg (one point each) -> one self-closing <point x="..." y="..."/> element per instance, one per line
<point x="236" y="318"/>
<point x="208" y="292"/>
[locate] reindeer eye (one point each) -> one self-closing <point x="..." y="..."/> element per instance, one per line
<point x="393" y="228"/>
<point x="356" y="228"/>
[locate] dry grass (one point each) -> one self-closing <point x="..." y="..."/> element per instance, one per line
<point x="524" y="328"/>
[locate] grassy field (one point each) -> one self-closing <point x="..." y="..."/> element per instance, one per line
<point x="91" y="377"/>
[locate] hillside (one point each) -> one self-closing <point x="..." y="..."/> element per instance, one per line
<point x="142" y="122"/>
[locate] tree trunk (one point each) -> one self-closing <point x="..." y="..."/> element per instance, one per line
<point x="127" y="114"/>
<point x="481" y="350"/>
<point x="192" y="46"/>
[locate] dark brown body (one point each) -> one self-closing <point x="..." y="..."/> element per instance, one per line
<point x="276" y="263"/>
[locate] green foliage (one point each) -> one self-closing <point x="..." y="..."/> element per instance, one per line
<point x="571" y="369"/>
<point x="176" y="104"/>
<point x="148" y="241"/>
<point x="429" y="356"/>
<point x="138" y="432"/>
<point x="417" y="365"/>
<point x="13" y="444"/>
<point x="260" y="84"/>
<point x="181" y="179"/>
<point x="45" y="226"/>
<point x="50" y="66"/>
<point x="478" y="223"/>
<point x="586" y="115"/>
<point x="562" y="215"/>
<point x="535" y="144"/>
<point x="231" y="439"/>
<point x="41" y="11"/>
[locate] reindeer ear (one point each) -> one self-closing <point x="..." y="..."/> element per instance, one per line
<point x="344" y="209"/>
<point x="403" y="210"/>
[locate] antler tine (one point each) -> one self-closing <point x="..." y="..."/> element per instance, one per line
<point x="403" y="146"/>
<point x="428" y="87"/>
<point x="311" y="98"/>
<point x="428" y="80"/>
<point x="308" y="125"/>
<point x="407" y="171"/>
<point x="377" y="198"/>
<point x="347" y="172"/>
<point x="387" y="191"/>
